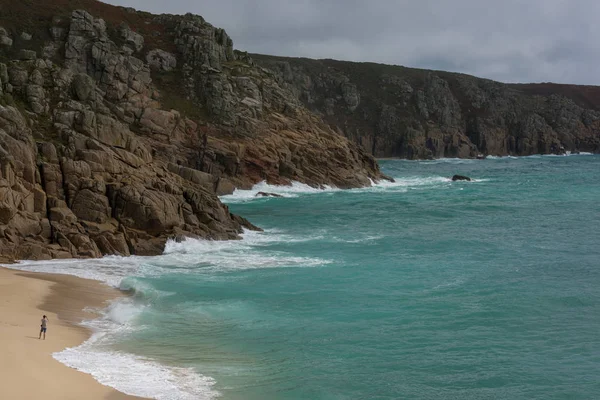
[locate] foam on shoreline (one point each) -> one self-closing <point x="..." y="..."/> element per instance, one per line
<point x="134" y="374"/>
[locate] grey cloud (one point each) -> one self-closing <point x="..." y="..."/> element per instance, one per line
<point x="509" y="40"/>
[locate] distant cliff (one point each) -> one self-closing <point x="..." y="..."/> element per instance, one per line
<point x="403" y="112"/>
<point x="119" y="129"/>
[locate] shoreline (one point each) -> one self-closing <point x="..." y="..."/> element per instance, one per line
<point x="28" y="368"/>
<point x="487" y="156"/>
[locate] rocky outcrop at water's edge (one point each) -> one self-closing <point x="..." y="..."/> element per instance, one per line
<point x="119" y="129"/>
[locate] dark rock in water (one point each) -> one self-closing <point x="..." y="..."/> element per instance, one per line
<point x="266" y="194"/>
<point x="480" y="157"/>
<point x="460" y="178"/>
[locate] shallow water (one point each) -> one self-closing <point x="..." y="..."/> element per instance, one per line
<point x="421" y="289"/>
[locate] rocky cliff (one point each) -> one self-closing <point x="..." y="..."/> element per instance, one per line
<point x="403" y="112"/>
<point x="119" y="129"/>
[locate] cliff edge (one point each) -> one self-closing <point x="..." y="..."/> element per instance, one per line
<point x="394" y="111"/>
<point x="119" y="129"/>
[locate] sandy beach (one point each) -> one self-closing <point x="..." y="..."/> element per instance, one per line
<point x="27" y="369"/>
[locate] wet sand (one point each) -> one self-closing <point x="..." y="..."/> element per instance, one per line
<point x="27" y="369"/>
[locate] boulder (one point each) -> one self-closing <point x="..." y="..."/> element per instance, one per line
<point x="17" y="76"/>
<point x="267" y="194"/>
<point x="131" y="38"/>
<point x="112" y="244"/>
<point x="224" y="187"/>
<point x="161" y="60"/>
<point x="83" y="87"/>
<point x="91" y="206"/>
<point x="148" y="210"/>
<point x="460" y="178"/>
<point x="5" y="39"/>
<point x="62" y="215"/>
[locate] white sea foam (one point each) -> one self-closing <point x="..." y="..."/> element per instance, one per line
<point x="299" y="189"/>
<point x="583" y="153"/>
<point x="129" y="373"/>
<point x="456" y="161"/>
<point x="366" y="239"/>
<point x="450" y="284"/>
<point x="489" y="157"/>
<point x="110" y="270"/>
<point x="199" y="256"/>
<point x="293" y="190"/>
<point x="501" y="158"/>
<point x="136" y="375"/>
<point x="402" y="183"/>
<point x="190" y="256"/>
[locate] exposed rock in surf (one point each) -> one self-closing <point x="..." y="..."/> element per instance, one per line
<point x="267" y="194"/>
<point x="460" y="178"/>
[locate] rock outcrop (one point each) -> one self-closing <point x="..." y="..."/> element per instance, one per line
<point x="403" y="112"/>
<point x="460" y="178"/>
<point x="267" y="194"/>
<point x="119" y="129"/>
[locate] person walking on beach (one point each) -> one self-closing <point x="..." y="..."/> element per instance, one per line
<point x="43" y="327"/>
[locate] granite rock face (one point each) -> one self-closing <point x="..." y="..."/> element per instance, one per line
<point x="118" y="130"/>
<point x="402" y="112"/>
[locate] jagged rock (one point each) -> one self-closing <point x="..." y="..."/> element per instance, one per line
<point x="17" y="76"/>
<point x="62" y="215"/>
<point x="5" y="39"/>
<point x="158" y="121"/>
<point x="113" y="244"/>
<point x="224" y="187"/>
<point x="83" y="87"/>
<point x="161" y="60"/>
<point x="36" y="97"/>
<point x="266" y="194"/>
<point x="90" y="206"/>
<point x="201" y="178"/>
<point x="133" y="39"/>
<point x="109" y="154"/>
<point x="26" y="224"/>
<point x="412" y="113"/>
<point x="147" y="210"/>
<point x="3" y="74"/>
<point x="460" y="178"/>
<point x="8" y="205"/>
<point x="351" y="95"/>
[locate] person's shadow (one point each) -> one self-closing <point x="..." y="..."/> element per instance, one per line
<point x="32" y="337"/>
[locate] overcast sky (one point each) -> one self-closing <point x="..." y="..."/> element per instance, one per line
<point x="506" y="40"/>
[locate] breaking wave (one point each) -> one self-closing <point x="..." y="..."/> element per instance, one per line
<point x="136" y="375"/>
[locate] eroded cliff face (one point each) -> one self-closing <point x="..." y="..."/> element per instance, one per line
<point x="119" y="129"/>
<point x="402" y="112"/>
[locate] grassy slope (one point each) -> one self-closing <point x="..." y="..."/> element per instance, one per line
<point x="35" y="16"/>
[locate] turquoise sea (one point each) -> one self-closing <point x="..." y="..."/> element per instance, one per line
<point x="420" y="289"/>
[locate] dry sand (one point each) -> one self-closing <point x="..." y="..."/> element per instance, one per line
<point x="27" y="369"/>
